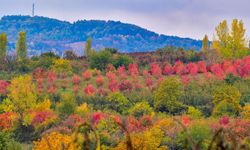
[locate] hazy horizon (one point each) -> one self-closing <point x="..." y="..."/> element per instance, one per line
<point x="184" y="18"/>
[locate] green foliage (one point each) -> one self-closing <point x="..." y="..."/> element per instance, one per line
<point x="199" y="96"/>
<point x="199" y="133"/>
<point x="99" y="60"/>
<point x="111" y="50"/>
<point x="140" y="109"/>
<point x="122" y="59"/>
<point x="88" y="51"/>
<point x="192" y="56"/>
<point x="50" y="55"/>
<point x="7" y="143"/>
<point x="231" y="79"/>
<point x="243" y="85"/>
<point x="167" y="95"/>
<point x="226" y="99"/>
<point x="194" y="113"/>
<point x="21" y="47"/>
<point x="3" y="47"/>
<point x="23" y="66"/>
<point x="118" y="102"/>
<point x="46" y="60"/>
<point x="67" y="106"/>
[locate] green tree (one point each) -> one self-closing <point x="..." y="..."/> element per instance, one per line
<point x="88" y="48"/>
<point x="67" y="106"/>
<point x="118" y="102"/>
<point x="167" y="95"/>
<point x="205" y="43"/>
<point x="122" y="59"/>
<point x="99" y="60"/>
<point x="231" y="44"/>
<point x="226" y="100"/>
<point x="112" y="50"/>
<point x="3" y="47"/>
<point x="21" y="47"/>
<point x="140" y="109"/>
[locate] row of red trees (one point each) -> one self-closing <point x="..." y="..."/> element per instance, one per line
<point x="133" y="78"/>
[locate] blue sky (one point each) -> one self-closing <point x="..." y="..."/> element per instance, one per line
<point x="185" y="18"/>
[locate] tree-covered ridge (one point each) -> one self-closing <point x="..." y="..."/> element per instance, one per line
<point x="45" y="34"/>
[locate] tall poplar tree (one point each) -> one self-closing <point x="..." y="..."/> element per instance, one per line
<point x="231" y="44"/>
<point x="205" y="43"/>
<point x="88" y="51"/>
<point x="21" y="47"/>
<point x="3" y="47"/>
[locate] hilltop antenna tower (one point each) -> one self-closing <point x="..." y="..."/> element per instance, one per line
<point x="33" y="9"/>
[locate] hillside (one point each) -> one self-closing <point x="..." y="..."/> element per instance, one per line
<point x="46" y="34"/>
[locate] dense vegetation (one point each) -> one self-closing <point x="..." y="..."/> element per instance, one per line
<point x="168" y="99"/>
<point x="45" y="34"/>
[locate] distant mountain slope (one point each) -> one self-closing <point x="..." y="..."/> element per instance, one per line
<point x="45" y="34"/>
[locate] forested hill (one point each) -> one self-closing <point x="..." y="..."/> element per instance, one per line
<point x="46" y="34"/>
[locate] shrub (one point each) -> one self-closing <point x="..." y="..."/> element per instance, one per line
<point x="226" y="99"/>
<point x="246" y="112"/>
<point x="55" y="141"/>
<point x="118" y="102"/>
<point x="99" y="80"/>
<point x="62" y="65"/>
<point x="7" y="143"/>
<point x="122" y="60"/>
<point x="3" y="87"/>
<point x="89" y="90"/>
<point x="167" y="95"/>
<point x="100" y="60"/>
<point x="194" y="113"/>
<point x="199" y="133"/>
<point x="126" y="85"/>
<point x="140" y="109"/>
<point x="87" y="75"/>
<point x="67" y="106"/>
<point x="155" y="70"/>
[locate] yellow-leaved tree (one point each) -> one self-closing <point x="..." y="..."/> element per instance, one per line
<point x="226" y="100"/>
<point x="231" y="44"/>
<point x="22" y="95"/>
<point x="205" y="43"/>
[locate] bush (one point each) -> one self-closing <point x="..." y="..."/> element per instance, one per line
<point x="140" y="109"/>
<point x="100" y="60"/>
<point x="226" y="99"/>
<point x="122" y="60"/>
<point x="167" y="95"/>
<point x="199" y="132"/>
<point x="118" y="102"/>
<point x="67" y="106"/>
<point x="194" y="113"/>
<point x="224" y="109"/>
<point x="7" y="143"/>
<point x="61" y="66"/>
<point x="199" y="96"/>
<point x="54" y="141"/>
<point x="246" y="112"/>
